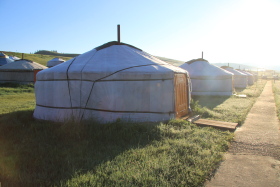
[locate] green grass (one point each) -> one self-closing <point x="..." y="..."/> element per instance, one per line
<point x="41" y="153"/>
<point x="175" y="153"/>
<point x="15" y="97"/>
<point x="34" y="153"/>
<point x="230" y="109"/>
<point x="276" y="91"/>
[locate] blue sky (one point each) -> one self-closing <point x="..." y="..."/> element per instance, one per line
<point x="227" y="31"/>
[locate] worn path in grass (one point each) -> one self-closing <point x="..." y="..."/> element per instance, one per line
<point x="254" y="156"/>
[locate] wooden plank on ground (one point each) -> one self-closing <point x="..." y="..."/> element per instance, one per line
<point x="217" y="124"/>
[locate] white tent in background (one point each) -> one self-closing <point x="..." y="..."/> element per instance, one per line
<point x="54" y="62"/>
<point x="13" y="58"/>
<point x="255" y="74"/>
<point x="207" y="79"/>
<point x="4" y="59"/>
<point x="113" y="81"/>
<point x="251" y="79"/>
<point x="240" y="79"/>
<point x="21" y="71"/>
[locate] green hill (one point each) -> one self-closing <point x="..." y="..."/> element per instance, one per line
<point x="43" y="56"/>
<point x="39" y="58"/>
<point x="45" y="52"/>
<point x="171" y="61"/>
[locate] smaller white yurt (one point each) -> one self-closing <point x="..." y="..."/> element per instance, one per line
<point x="55" y="61"/>
<point x="21" y="71"/>
<point x="255" y="74"/>
<point x="14" y="58"/>
<point x="240" y="79"/>
<point x="4" y="59"/>
<point x="251" y="79"/>
<point x="208" y="79"/>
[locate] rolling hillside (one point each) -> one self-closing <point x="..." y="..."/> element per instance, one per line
<point x="43" y="56"/>
<point x="236" y="66"/>
<point x="39" y="58"/>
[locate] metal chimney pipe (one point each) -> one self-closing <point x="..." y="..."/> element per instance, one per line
<point x="119" y="34"/>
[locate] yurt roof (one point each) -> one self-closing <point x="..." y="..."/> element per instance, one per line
<point x="22" y="65"/>
<point x="234" y="71"/>
<point x="245" y="72"/>
<point x="56" y="60"/>
<point x="3" y="55"/>
<point x="4" y="59"/>
<point x="202" y="68"/>
<point x="109" y="61"/>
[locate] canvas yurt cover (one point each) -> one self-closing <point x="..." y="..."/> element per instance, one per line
<point x="251" y="79"/>
<point x="207" y="79"/>
<point x="113" y="81"/>
<point x="4" y="59"/>
<point x="240" y="79"/>
<point x="20" y="71"/>
<point x="54" y="62"/>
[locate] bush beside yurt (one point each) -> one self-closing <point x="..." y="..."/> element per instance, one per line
<point x="240" y="79"/>
<point x="20" y="71"/>
<point x="113" y="81"/>
<point x="208" y="79"/>
<point x="55" y="61"/>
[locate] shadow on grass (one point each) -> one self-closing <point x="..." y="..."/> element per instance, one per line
<point x="41" y="153"/>
<point x="210" y="102"/>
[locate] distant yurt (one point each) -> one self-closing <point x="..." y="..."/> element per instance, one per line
<point x="14" y="58"/>
<point x="4" y="59"/>
<point x="240" y="79"/>
<point x="20" y="71"/>
<point x="55" y="61"/>
<point x="251" y="79"/>
<point x="255" y="74"/>
<point x="113" y="81"/>
<point x="208" y="79"/>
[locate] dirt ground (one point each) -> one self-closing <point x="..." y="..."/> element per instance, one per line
<point x="253" y="159"/>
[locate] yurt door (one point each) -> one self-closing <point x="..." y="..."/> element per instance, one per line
<point x="181" y="95"/>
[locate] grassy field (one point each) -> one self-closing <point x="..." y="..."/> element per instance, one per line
<point x="276" y="91"/>
<point x="230" y="109"/>
<point x="176" y="153"/>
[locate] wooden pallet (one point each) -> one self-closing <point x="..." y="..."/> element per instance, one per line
<point x="216" y="124"/>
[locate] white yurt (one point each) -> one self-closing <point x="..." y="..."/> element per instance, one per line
<point x="113" y="81"/>
<point x="20" y="71"/>
<point x="208" y="79"/>
<point x="14" y="58"/>
<point x="251" y="78"/>
<point x="4" y="59"/>
<point x="55" y="61"/>
<point x="255" y="74"/>
<point x="240" y="79"/>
